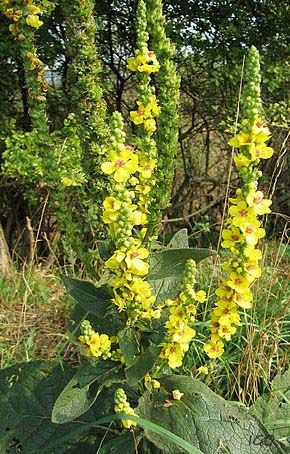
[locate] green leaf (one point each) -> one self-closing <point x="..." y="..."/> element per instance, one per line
<point x="273" y="408"/>
<point x="142" y="364"/>
<point x="203" y="419"/>
<point x="96" y="300"/>
<point x="27" y="394"/>
<point x="171" y="262"/>
<point x="124" y="443"/>
<point x="179" y="240"/>
<point x="129" y="344"/>
<point x="79" y="394"/>
<point x="167" y="267"/>
<point x="141" y="422"/>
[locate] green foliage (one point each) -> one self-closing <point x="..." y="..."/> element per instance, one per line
<point x="96" y="300"/>
<point x="203" y="419"/>
<point x="28" y="392"/>
<point x="83" y="389"/>
<point x="273" y="407"/>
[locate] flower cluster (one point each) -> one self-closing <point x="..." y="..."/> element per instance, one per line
<point x="30" y="15"/>
<point x="123" y="406"/>
<point x="125" y="211"/>
<point x="145" y="61"/>
<point x="243" y="230"/>
<point x="182" y="316"/>
<point x="96" y="345"/>
<point x="146" y="113"/>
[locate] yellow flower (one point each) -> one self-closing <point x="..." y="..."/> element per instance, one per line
<point x="115" y="260"/>
<point x="145" y="61"/>
<point x="146" y="168"/>
<point x="33" y="21"/>
<point x="203" y="370"/>
<point x="97" y="344"/>
<point x="177" y="395"/>
<point x="257" y="201"/>
<point x="200" y="296"/>
<point x="231" y="237"/>
<point x="33" y="9"/>
<point x="134" y="261"/>
<point x="244" y="299"/>
<point x="214" y="349"/>
<point x="150" y="125"/>
<point x="225" y="313"/>
<point x="252" y="232"/>
<point x="238" y="282"/>
<point x="261" y="151"/>
<point x="174" y="354"/>
<point x="241" y="161"/>
<point x="183" y="335"/>
<point x="111" y="206"/>
<point x="122" y="165"/>
<point x="226" y="331"/>
<point x="242" y="214"/>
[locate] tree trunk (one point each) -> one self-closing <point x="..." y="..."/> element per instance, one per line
<point x="5" y="259"/>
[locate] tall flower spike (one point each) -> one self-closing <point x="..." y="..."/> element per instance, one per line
<point x="243" y="229"/>
<point x="168" y="83"/>
<point x="145" y="116"/>
<point x="182" y="316"/>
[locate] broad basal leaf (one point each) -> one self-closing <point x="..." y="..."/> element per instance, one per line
<point x="83" y="389"/>
<point x="27" y="394"/>
<point x="203" y="419"/>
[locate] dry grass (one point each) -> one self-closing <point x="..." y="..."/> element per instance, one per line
<point x="34" y="311"/>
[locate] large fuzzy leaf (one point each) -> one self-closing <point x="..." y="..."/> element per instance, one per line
<point x="273" y="408"/>
<point x="27" y="394"/>
<point x="203" y="419"/>
<point x="83" y="389"/>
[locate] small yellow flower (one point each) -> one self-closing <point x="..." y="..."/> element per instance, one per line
<point x="122" y="165"/>
<point x="203" y="370"/>
<point x="238" y="282"/>
<point x="231" y="237"/>
<point x="33" y="21"/>
<point x="241" y="214"/>
<point x="174" y="354"/>
<point x="134" y="261"/>
<point x="214" y="349"/>
<point x="177" y="395"/>
<point x="200" y="296"/>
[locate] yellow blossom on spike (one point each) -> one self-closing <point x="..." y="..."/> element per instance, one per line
<point x="33" y="21"/>
<point x="261" y="151"/>
<point x="174" y="354"/>
<point x="238" y="282"/>
<point x="203" y="370"/>
<point x="241" y="214"/>
<point x="134" y="261"/>
<point x="256" y="200"/>
<point x="115" y="261"/>
<point x="226" y="331"/>
<point x="200" y="296"/>
<point x="214" y="349"/>
<point x="231" y="237"/>
<point x="244" y="299"/>
<point x="121" y="166"/>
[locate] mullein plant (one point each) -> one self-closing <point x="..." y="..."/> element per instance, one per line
<point x="242" y="229"/>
